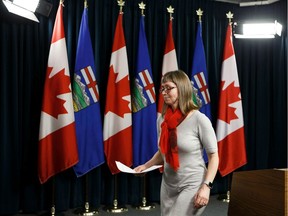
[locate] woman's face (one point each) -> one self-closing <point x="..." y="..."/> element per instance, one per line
<point x="170" y="94"/>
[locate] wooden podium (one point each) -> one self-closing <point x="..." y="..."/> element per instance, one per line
<point x="259" y="193"/>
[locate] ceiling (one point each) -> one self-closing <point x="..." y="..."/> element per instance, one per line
<point x="243" y="3"/>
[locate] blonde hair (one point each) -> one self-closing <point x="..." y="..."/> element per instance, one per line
<point x="185" y="91"/>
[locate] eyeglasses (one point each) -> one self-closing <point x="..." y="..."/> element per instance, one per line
<point x="166" y="89"/>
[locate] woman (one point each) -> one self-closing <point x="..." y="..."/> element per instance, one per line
<point x="184" y="133"/>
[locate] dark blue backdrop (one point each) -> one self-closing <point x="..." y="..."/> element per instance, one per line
<point x="24" y="48"/>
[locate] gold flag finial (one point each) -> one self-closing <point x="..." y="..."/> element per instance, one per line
<point x="142" y="7"/>
<point x="229" y="15"/>
<point x="170" y="11"/>
<point x="121" y="3"/>
<point x="62" y="2"/>
<point x="199" y="13"/>
<point x="85" y="4"/>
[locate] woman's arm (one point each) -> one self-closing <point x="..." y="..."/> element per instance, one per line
<point x="202" y="196"/>
<point x="155" y="160"/>
<point x="213" y="162"/>
<point x="209" y="141"/>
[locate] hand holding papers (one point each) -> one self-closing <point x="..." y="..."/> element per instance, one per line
<point x="126" y="169"/>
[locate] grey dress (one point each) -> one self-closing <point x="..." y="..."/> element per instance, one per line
<point x="178" y="188"/>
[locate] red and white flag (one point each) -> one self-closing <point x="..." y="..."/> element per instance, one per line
<point x="117" y="130"/>
<point x="57" y="136"/>
<point x="230" y="123"/>
<point x="169" y="60"/>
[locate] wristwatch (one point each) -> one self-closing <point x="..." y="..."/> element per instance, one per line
<point x="209" y="184"/>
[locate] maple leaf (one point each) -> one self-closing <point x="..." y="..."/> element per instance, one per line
<point x="55" y="86"/>
<point x="228" y="96"/>
<point x="116" y="93"/>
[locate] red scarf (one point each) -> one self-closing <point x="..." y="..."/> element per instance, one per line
<point x="168" y="138"/>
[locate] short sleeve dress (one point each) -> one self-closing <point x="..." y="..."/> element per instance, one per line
<point x="178" y="188"/>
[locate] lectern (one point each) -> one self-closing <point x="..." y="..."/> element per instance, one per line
<point x="259" y="192"/>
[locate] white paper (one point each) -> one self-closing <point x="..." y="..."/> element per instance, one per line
<point x="126" y="169"/>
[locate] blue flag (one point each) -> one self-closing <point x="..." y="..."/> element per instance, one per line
<point x="86" y="104"/>
<point x="199" y="75"/>
<point x="144" y="114"/>
<point x="199" y="78"/>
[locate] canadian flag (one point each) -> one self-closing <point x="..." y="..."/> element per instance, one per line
<point x="117" y="132"/>
<point x="57" y="137"/>
<point x="169" y="60"/>
<point x="230" y="124"/>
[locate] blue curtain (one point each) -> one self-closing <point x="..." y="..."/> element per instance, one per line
<point x="24" y="48"/>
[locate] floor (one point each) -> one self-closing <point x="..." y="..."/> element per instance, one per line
<point x="216" y="207"/>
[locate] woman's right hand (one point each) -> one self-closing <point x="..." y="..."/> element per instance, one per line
<point x="139" y="170"/>
<point x="156" y="159"/>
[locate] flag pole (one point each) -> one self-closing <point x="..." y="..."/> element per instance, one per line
<point x="53" y="206"/>
<point x="115" y="208"/>
<point x="53" y="209"/>
<point x="144" y="206"/>
<point x="86" y="211"/>
<point x="143" y="59"/>
<point x="226" y="197"/>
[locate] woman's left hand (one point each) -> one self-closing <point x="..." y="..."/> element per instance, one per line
<point x="202" y="196"/>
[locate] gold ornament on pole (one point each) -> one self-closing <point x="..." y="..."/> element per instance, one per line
<point x="142" y="7"/>
<point x="121" y="4"/>
<point x="229" y="15"/>
<point x="170" y="11"/>
<point x="199" y="13"/>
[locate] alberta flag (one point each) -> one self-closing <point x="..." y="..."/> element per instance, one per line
<point x="57" y="137"/>
<point x="118" y="116"/>
<point x="199" y="78"/>
<point x="86" y="104"/>
<point x="143" y="104"/>
<point x="199" y="75"/>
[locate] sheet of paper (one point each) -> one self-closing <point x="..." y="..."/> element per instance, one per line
<point x="123" y="168"/>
